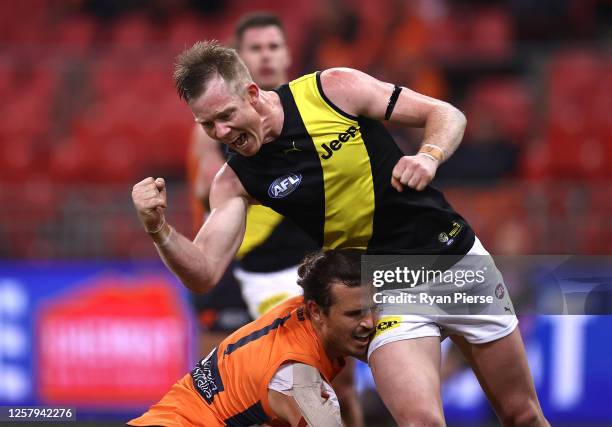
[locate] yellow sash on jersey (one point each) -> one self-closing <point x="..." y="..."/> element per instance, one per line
<point x="261" y="221"/>
<point x="347" y="175"/>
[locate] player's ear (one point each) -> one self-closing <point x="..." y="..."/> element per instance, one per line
<point x="314" y="310"/>
<point x="252" y="92"/>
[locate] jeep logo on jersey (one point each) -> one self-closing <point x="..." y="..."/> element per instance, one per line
<point x="336" y="144"/>
<point x="285" y="185"/>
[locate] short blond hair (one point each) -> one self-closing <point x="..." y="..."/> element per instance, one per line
<point x="197" y="66"/>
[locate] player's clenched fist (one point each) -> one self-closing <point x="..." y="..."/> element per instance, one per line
<point x="413" y="171"/>
<point x="149" y="197"/>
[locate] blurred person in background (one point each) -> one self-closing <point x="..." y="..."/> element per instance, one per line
<point x="266" y="263"/>
<point x="278" y="368"/>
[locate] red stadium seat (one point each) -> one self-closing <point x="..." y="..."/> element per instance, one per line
<point x="594" y="232"/>
<point x="7" y="76"/>
<point x="185" y="30"/>
<point x="576" y="150"/>
<point x="578" y="128"/>
<point x="17" y="159"/>
<point x="575" y="72"/>
<point x="132" y="33"/>
<point x="490" y="35"/>
<point x="536" y="160"/>
<point x="24" y="21"/>
<point x="67" y="162"/>
<point x="507" y="101"/>
<point x="75" y="35"/>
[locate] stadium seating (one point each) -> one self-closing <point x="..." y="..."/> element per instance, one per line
<point x="89" y="101"/>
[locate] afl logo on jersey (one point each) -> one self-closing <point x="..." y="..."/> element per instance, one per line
<point x="285" y="185"/>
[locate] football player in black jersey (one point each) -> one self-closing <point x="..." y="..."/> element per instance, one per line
<point x="367" y="176"/>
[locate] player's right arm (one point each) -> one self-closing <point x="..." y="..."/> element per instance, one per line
<point x="201" y="263"/>
<point x="360" y="94"/>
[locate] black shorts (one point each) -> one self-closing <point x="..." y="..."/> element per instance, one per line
<point x="222" y="309"/>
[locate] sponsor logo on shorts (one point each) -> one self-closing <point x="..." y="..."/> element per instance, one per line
<point x="386" y="323"/>
<point x="499" y="291"/>
<point x="284" y="185"/>
<point x="449" y="237"/>
<point x="456" y="229"/>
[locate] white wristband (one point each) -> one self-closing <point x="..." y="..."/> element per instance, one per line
<point x="437" y="148"/>
<point x="429" y="156"/>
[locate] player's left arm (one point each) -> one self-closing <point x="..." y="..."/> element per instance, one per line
<point x="360" y="94"/>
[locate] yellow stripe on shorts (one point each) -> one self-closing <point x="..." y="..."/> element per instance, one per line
<point x="386" y="323"/>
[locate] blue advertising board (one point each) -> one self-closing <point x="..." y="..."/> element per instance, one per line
<point x="568" y="355"/>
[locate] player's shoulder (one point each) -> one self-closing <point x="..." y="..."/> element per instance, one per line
<point x="346" y="88"/>
<point x="288" y="314"/>
<point x="341" y="77"/>
<point x="270" y="322"/>
<point x="227" y="182"/>
<point x="286" y="308"/>
<point x="330" y="77"/>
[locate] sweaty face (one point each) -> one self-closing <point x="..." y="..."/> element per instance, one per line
<point x="349" y="323"/>
<point x="230" y="117"/>
<point x="265" y="53"/>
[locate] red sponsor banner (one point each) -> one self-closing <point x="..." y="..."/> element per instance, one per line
<point x="119" y="342"/>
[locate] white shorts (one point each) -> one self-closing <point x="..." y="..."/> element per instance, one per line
<point x="476" y="328"/>
<point x="263" y="291"/>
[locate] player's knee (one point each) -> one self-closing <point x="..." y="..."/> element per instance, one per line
<point x="422" y="418"/>
<point x="528" y="414"/>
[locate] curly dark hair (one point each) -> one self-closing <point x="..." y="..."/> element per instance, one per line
<point x="320" y="269"/>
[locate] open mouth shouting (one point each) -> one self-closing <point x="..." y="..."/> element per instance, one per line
<point x="240" y="141"/>
<point x="362" y="338"/>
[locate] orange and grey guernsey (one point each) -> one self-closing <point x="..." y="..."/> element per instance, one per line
<point x="229" y="387"/>
<point x="330" y="172"/>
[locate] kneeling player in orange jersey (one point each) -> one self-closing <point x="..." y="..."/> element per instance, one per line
<point x="278" y="368"/>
